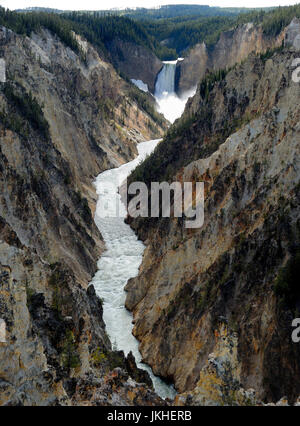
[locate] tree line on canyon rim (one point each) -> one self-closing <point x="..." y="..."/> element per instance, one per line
<point x="168" y="34"/>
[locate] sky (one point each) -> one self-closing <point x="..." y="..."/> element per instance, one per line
<point x="100" y="5"/>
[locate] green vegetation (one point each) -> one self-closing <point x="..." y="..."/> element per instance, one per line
<point x="181" y="10"/>
<point x="168" y="32"/>
<point x="25" y="23"/>
<point x="25" y="108"/>
<point x="186" y="135"/>
<point x="143" y="101"/>
<point x="287" y="282"/>
<point x="69" y="354"/>
<point x="97" y="29"/>
<point x="15" y="123"/>
<point x="183" y="32"/>
<point x="116" y="360"/>
<point x="101" y="31"/>
<point x="274" y="22"/>
<point x="57" y="281"/>
<point x="57" y="300"/>
<point x="110" y="360"/>
<point x="98" y="357"/>
<point x="207" y="84"/>
<point x="196" y="134"/>
<point x="106" y="108"/>
<point x="29" y="295"/>
<point x="270" y="52"/>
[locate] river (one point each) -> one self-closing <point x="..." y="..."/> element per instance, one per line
<point x="124" y="251"/>
<point x="120" y="261"/>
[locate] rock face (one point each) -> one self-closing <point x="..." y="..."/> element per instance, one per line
<point x="63" y="121"/>
<point x="136" y="62"/>
<point x="241" y="138"/>
<point x="232" y="47"/>
<point x="93" y="125"/>
<point x="292" y="34"/>
<point x="219" y="380"/>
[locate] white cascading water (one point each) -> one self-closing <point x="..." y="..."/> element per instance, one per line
<point x="165" y="83"/>
<point x="124" y="252"/>
<point x="169" y="103"/>
<point x="120" y="261"/>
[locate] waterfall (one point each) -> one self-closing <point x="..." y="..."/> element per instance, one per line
<point x="168" y="102"/>
<point x="165" y="83"/>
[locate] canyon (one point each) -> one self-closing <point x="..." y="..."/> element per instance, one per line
<point x="210" y="308"/>
<point x="232" y="47"/>
<point x="242" y="140"/>
<point x="49" y="244"/>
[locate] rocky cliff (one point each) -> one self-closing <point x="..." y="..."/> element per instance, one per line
<point x="93" y="125"/>
<point x="213" y="306"/>
<point x="232" y="47"/>
<point x="135" y="61"/>
<point x="64" y="118"/>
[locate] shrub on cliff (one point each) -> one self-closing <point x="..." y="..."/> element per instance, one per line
<point x="27" y="107"/>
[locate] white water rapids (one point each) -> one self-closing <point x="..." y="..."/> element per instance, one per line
<point x="124" y="251"/>
<point x="120" y="261"/>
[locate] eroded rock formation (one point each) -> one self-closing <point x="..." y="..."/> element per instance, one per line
<point x="64" y="119"/>
<point x="232" y="48"/>
<point x="241" y="138"/>
<point x="135" y="61"/>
